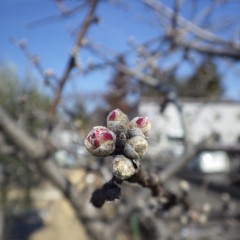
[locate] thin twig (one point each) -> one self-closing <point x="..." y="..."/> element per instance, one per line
<point x="55" y="18"/>
<point x="35" y="61"/>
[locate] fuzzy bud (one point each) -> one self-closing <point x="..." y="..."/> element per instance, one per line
<point x="139" y="126"/>
<point x="135" y="147"/>
<point x="122" y="167"/>
<point x="100" y="141"/>
<point x="117" y="121"/>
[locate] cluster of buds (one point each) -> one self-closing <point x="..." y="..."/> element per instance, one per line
<point x="125" y="140"/>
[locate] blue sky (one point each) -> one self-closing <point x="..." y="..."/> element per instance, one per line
<point x="53" y="42"/>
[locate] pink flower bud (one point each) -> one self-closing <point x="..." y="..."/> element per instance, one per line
<point x="100" y="141"/>
<point x="122" y="167"/>
<point x="117" y="121"/>
<point x="135" y="147"/>
<point x="139" y="126"/>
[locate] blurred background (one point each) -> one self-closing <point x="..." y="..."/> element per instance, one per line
<point x="65" y="64"/>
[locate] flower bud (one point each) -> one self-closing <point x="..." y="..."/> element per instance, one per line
<point x="139" y="126"/>
<point x="122" y="167"/>
<point x="117" y="121"/>
<point x="135" y="147"/>
<point x="100" y="141"/>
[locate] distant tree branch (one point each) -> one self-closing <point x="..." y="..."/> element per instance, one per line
<point x="46" y="75"/>
<point x="72" y="59"/>
<point x="37" y="153"/>
<point x="208" y="49"/>
<point x="211" y="44"/>
<point x="187" y="25"/>
<point x="64" y="14"/>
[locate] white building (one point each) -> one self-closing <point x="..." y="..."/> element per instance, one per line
<point x="202" y="118"/>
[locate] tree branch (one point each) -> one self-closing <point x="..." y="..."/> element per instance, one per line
<point x="208" y="49"/>
<point x="187" y="25"/>
<point x="33" y="148"/>
<point x="37" y="154"/>
<point x="64" y="14"/>
<point x="72" y="59"/>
